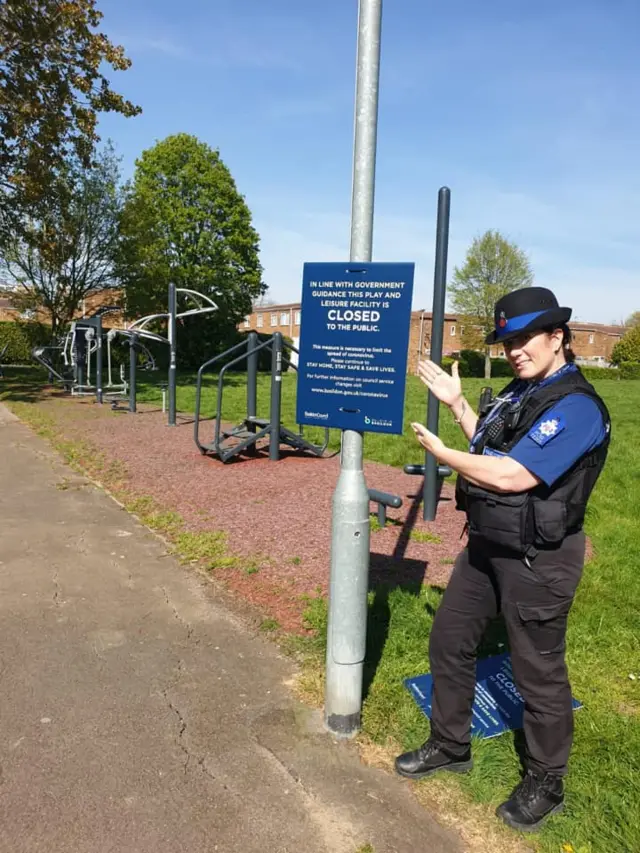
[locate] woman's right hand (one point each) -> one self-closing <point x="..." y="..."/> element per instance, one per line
<point x="447" y="388"/>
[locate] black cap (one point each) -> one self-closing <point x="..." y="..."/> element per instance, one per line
<point x="526" y="310"/>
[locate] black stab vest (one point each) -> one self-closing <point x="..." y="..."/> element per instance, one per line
<point x="526" y="522"/>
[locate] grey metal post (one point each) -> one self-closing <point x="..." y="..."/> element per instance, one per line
<point x="350" y="526"/>
<point x="276" y="397"/>
<point x="132" y="372"/>
<point x="172" y="354"/>
<point x="431" y="489"/>
<point x="252" y="388"/>
<point x="99" y="359"/>
<point x="252" y="376"/>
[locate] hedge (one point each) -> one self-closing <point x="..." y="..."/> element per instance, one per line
<point x="22" y="338"/>
<point x="471" y="364"/>
<point x="629" y="370"/>
<point x="595" y="373"/>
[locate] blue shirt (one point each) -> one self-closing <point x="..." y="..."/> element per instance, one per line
<point x="568" y="430"/>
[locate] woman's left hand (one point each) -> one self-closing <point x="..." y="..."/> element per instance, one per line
<point x="428" y="440"/>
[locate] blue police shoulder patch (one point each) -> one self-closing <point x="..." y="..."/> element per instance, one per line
<point x="547" y="429"/>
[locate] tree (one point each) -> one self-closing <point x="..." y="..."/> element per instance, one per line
<point x="633" y="320"/>
<point x="184" y="221"/>
<point x="493" y="267"/>
<point x="52" y="89"/>
<point x="58" y="259"/>
<point x="628" y="347"/>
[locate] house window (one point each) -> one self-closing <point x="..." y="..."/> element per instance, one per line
<point x="260" y="321"/>
<point x="247" y="322"/>
<point x="592" y="339"/>
<point x="298" y="317"/>
<point x="284" y="318"/>
<point x="452" y="331"/>
<point x="274" y="319"/>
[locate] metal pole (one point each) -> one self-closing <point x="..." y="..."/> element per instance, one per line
<point x="276" y="397"/>
<point x="431" y="489"/>
<point x="99" y="359"/>
<point x="252" y="378"/>
<point x="132" y="372"/>
<point x="109" y="377"/>
<point x="350" y="526"/>
<point x="172" y="354"/>
<point x="252" y="387"/>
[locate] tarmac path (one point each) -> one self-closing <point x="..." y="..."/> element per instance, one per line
<point x="139" y="713"/>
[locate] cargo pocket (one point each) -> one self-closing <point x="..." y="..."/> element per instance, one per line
<point x="546" y="626"/>
<point x="550" y="522"/>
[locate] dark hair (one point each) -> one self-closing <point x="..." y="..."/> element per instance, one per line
<point x="567" y="337"/>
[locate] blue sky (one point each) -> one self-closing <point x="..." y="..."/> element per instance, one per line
<point x="527" y="111"/>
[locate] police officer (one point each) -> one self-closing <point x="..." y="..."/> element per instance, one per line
<point x="535" y="454"/>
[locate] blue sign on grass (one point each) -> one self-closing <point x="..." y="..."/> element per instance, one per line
<point x="354" y="342"/>
<point x="498" y="707"/>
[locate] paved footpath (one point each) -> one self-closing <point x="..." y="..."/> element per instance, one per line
<point x="138" y="714"/>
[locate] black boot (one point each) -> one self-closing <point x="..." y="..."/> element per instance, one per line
<point x="538" y="796"/>
<point x="430" y="757"/>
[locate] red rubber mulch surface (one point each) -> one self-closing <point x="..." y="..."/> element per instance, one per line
<point x="277" y="515"/>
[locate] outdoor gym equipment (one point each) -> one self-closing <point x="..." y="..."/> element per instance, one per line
<point x="384" y="499"/>
<point x="76" y="349"/>
<point x="434" y="474"/>
<point x="3" y="352"/>
<point x="230" y="443"/>
<point x="137" y="331"/>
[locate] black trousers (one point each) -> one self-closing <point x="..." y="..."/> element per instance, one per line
<point x="535" y="604"/>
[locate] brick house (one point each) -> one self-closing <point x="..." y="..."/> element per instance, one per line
<point x="420" y="337"/>
<point x="268" y="319"/>
<point x="592" y="342"/>
<point x="88" y="306"/>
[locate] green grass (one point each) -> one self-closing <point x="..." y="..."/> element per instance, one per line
<point x="603" y="788"/>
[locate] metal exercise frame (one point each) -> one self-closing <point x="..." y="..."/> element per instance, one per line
<point x="3" y="352"/>
<point x="228" y="444"/>
<point x="137" y="329"/>
<point x="40" y="354"/>
<point x="84" y="339"/>
<point x="135" y="347"/>
<point x="434" y="474"/>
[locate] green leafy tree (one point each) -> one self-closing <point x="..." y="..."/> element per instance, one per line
<point x="185" y="221"/>
<point x="56" y="260"/>
<point x="633" y="320"/>
<point x="52" y="89"/>
<point x="493" y="267"/>
<point x="628" y="347"/>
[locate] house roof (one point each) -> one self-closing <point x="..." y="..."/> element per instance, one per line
<point x="265" y="309"/>
<point x="579" y="326"/>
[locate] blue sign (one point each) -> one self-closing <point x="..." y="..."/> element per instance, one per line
<point x="498" y="707"/>
<point x="354" y="343"/>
